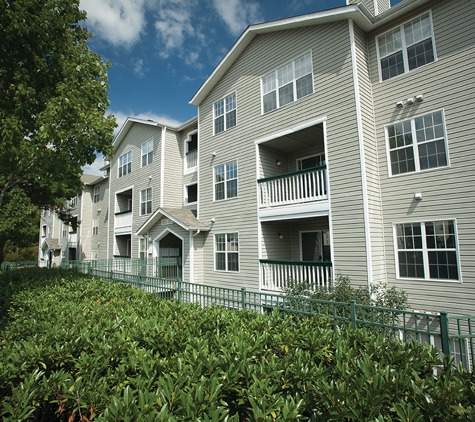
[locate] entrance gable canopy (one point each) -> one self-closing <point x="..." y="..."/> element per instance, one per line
<point x="184" y="218"/>
<point x="50" y="244"/>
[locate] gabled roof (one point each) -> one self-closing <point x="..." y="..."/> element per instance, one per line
<point x="182" y="217"/>
<point x="51" y="244"/>
<point x="89" y="179"/>
<point x="358" y="13"/>
<point x="131" y="120"/>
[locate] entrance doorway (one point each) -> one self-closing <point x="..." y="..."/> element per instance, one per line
<point x="315" y="246"/>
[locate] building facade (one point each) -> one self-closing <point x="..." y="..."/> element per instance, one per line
<point x="333" y="142"/>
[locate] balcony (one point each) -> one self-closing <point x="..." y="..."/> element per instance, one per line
<point x="276" y="275"/>
<point x="123" y="222"/>
<point x="297" y="188"/>
<point x="72" y="240"/>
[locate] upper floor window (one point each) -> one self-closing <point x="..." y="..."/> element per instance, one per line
<point x="95" y="227"/>
<point x="427" y="250"/>
<point x="96" y="194"/>
<point x="73" y="202"/>
<point x="191" y="151"/>
<point x="289" y="83"/>
<point x="225" y="181"/>
<point x="224" y="113"/>
<point x="406" y="47"/>
<point x="125" y="163"/>
<point x="191" y="193"/>
<point x="146" y="201"/>
<point x="147" y="152"/>
<point x="417" y="144"/>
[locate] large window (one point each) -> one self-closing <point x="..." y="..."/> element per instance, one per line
<point x="147" y="152"/>
<point x="427" y="250"/>
<point x="289" y="83"/>
<point x="417" y="144"/>
<point x="406" y="47"/>
<point x="125" y="163"/>
<point x="225" y="181"/>
<point x="146" y="201"/>
<point x="224" y="113"/>
<point x="226" y="247"/>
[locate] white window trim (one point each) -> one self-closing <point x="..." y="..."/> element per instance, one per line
<point x="414" y="145"/>
<point x="404" y="48"/>
<point x="144" y="202"/>
<point x="425" y="252"/>
<point x="226" y="253"/>
<point x="225" y="112"/>
<point x="95" y="227"/>
<point x="124" y="165"/>
<point x="187" y="140"/>
<point x="186" y="193"/>
<point x="225" y="180"/>
<point x="293" y="84"/>
<point x="146" y="154"/>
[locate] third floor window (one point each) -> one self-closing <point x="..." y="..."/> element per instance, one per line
<point x="224" y="112"/>
<point x="125" y="163"/>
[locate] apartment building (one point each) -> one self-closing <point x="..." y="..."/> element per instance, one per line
<point x="332" y="142"/>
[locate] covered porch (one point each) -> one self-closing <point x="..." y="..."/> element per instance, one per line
<point x="295" y="250"/>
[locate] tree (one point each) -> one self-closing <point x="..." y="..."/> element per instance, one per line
<point x="53" y="99"/>
<point x="19" y="221"/>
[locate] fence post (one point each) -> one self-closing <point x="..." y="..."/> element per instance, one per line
<point x="353" y="313"/>
<point x="89" y="267"/>
<point x="444" y="332"/>
<point x="179" y="290"/>
<point x="140" y="280"/>
<point x="243" y="297"/>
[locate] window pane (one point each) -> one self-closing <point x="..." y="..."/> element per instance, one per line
<point x="420" y="54"/>
<point x="230" y="102"/>
<point x="231" y="170"/>
<point x="221" y="261"/>
<point x="233" y="244"/>
<point x="392" y="66"/>
<point x="233" y="262"/>
<point x="417" y="30"/>
<point x="269" y="83"/>
<point x="286" y="94"/>
<point x="270" y="101"/>
<point x="219" y="173"/>
<point x="219" y="125"/>
<point x="219" y="191"/>
<point x="231" y="188"/>
<point x="411" y="264"/>
<point x="304" y="86"/>
<point x="432" y="155"/>
<point x="285" y="75"/>
<point x="231" y="119"/>
<point x="390" y="43"/>
<point x="303" y="66"/>
<point x="220" y="242"/>
<point x="219" y="108"/>
<point x="442" y="265"/>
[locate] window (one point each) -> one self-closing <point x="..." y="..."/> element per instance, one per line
<point x="287" y="84"/>
<point x="427" y="251"/>
<point x="95" y="227"/>
<point x="43" y="231"/>
<point x="224" y="114"/>
<point x="191" y="151"/>
<point x="125" y="163"/>
<point x="64" y="230"/>
<point x="94" y="255"/>
<point x="147" y="152"/>
<point x="226" y="252"/>
<point x="143" y="248"/>
<point x="417" y="144"/>
<point x="406" y="47"/>
<point x="146" y="201"/>
<point x="96" y="194"/>
<point x="225" y="181"/>
<point x="73" y="202"/>
<point x="191" y="194"/>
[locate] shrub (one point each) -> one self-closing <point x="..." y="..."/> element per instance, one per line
<point x="73" y="344"/>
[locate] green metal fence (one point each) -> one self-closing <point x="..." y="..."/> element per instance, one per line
<point x="15" y="265"/>
<point x="453" y="335"/>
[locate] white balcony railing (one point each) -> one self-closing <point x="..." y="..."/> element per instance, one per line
<point x="191" y="159"/>
<point x="123" y="219"/>
<point x="277" y="275"/>
<point x="293" y="188"/>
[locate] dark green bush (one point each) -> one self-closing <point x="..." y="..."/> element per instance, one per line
<point x="77" y="344"/>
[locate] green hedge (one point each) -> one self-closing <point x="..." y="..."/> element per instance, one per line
<point x="73" y="344"/>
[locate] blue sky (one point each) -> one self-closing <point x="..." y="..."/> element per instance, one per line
<point x="161" y="51"/>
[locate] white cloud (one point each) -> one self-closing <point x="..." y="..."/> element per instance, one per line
<point x="237" y="14"/>
<point x="137" y="67"/>
<point x="118" y="21"/>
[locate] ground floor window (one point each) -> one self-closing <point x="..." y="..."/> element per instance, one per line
<point x="226" y="246"/>
<point x="427" y="250"/>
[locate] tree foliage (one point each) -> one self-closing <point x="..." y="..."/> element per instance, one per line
<point x="53" y="99"/>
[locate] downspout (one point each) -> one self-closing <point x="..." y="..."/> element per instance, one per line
<point x="162" y="166"/>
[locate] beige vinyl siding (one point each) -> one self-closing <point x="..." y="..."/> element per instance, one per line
<point x="447" y="84"/>
<point x="99" y="242"/>
<point x="375" y="213"/>
<point x="85" y="226"/>
<point x="173" y="175"/>
<point x="382" y="5"/>
<point x="333" y="97"/>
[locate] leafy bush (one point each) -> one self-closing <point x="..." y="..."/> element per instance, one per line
<point x="378" y="295"/>
<point x="73" y="343"/>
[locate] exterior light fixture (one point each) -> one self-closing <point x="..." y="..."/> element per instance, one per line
<point x="278" y="163"/>
<point x="418" y="196"/>
<point x="399" y="104"/>
<point x="280" y="236"/>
